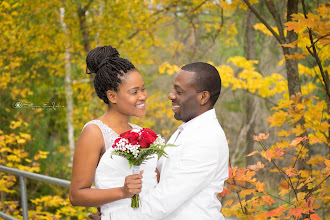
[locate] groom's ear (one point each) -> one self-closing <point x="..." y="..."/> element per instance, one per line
<point x="204" y="97"/>
<point x="112" y="96"/>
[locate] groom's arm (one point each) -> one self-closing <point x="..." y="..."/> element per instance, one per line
<point x="187" y="173"/>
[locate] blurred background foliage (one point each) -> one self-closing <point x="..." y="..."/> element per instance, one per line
<point x="46" y="97"/>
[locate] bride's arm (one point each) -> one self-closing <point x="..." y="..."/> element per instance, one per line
<point x="158" y="175"/>
<point x="85" y="160"/>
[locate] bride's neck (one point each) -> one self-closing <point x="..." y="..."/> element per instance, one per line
<point x="116" y="120"/>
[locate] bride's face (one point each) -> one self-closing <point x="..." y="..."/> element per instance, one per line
<point x="131" y="95"/>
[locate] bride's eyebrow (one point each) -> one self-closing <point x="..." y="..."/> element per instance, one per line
<point x="137" y="87"/>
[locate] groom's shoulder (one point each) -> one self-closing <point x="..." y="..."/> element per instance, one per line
<point x="206" y="128"/>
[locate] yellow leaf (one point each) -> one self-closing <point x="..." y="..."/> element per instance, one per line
<point x="261" y="27"/>
<point x="327" y="162"/>
<point x="246" y="192"/>
<point x="298" y="130"/>
<point x="301" y="195"/>
<point x="283" y="192"/>
<point x="228" y="203"/>
<point x="15" y="124"/>
<point x="21" y="141"/>
<point x="283" y="133"/>
<point x="277" y="119"/>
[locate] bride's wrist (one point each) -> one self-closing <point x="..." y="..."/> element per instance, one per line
<point x="122" y="194"/>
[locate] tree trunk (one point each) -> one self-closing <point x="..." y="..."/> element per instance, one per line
<point x="81" y="11"/>
<point x="251" y="102"/>
<point x="83" y="28"/>
<point x="68" y="85"/>
<point x="292" y="65"/>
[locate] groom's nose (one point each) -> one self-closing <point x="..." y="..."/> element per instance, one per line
<point x="172" y="96"/>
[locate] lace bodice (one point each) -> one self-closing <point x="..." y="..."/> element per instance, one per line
<point x="111" y="171"/>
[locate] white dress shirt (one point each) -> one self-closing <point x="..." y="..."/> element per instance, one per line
<point x="191" y="176"/>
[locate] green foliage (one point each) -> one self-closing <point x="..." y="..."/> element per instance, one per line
<point x="144" y="154"/>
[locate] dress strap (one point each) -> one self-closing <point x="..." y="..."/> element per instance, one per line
<point x="108" y="134"/>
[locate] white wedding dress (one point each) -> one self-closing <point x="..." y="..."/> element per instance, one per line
<point x="111" y="172"/>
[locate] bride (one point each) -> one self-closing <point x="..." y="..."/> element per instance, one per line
<point x="119" y="84"/>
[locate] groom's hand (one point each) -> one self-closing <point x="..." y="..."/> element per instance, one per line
<point x="132" y="185"/>
<point x="96" y="216"/>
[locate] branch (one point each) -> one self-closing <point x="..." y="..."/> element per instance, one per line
<point x="272" y="9"/>
<point x="280" y="170"/>
<point x="255" y="12"/>
<point x="319" y="39"/>
<point x="312" y="190"/>
<point x="215" y="36"/>
<point x="148" y="18"/>
<point x="324" y="75"/>
<point x="264" y="193"/>
<point x="200" y="5"/>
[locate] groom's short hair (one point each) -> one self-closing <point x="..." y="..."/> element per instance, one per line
<point x="207" y="78"/>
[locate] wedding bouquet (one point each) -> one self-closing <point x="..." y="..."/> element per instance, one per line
<point x="138" y="145"/>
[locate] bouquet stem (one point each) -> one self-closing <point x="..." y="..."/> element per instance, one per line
<point x="135" y="201"/>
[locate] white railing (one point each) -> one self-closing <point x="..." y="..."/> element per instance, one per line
<point x="22" y="176"/>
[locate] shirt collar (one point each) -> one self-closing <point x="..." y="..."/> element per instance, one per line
<point x="208" y="114"/>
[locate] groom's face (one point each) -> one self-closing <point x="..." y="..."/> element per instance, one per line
<point x="184" y="97"/>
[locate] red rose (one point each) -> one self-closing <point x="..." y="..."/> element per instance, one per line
<point x="146" y="139"/>
<point x="150" y="132"/>
<point x="116" y="141"/>
<point x="133" y="137"/>
<point x="143" y="144"/>
<point x="125" y="134"/>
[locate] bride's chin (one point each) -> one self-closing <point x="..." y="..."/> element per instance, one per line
<point x="140" y="114"/>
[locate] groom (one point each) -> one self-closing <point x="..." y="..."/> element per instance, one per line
<point x="196" y="169"/>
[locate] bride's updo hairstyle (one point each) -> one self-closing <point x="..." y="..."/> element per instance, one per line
<point x="109" y="69"/>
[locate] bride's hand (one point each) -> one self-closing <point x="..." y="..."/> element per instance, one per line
<point x="132" y="185"/>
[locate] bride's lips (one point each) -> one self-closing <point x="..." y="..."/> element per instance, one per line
<point x="141" y="106"/>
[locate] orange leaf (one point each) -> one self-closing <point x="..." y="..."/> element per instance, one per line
<point x="295" y="56"/>
<point x="315" y="217"/>
<point x="256" y="167"/>
<point x="276" y="212"/>
<point x="310" y="202"/>
<point x="315" y="140"/>
<point x="224" y="192"/>
<point x="296" y="211"/>
<point x="260" y="187"/>
<point x="252" y="153"/>
<point x="268" y="199"/>
<point x="260" y="137"/>
<point x="292" y="25"/>
<point x="291" y="172"/>
<point x="291" y="45"/>
<point x="296" y="141"/>
<point x="267" y="154"/>
<point x="279" y="153"/>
